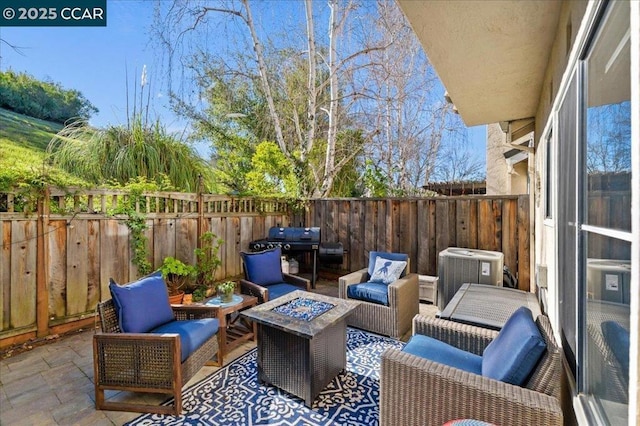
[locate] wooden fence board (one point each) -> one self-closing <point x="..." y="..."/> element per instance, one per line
<point x="370" y="225"/>
<point x="473" y="224"/>
<point x="357" y="230"/>
<point x="232" y="241"/>
<point x="93" y="264"/>
<point x="186" y="239"/>
<point x="218" y="227"/>
<point x="5" y="274"/>
<point x="77" y="279"/>
<point x="422" y="231"/>
<point x="23" y="273"/>
<point x="164" y="240"/>
<point x="442" y="225"/>
<point x="57" y="240"/>
<point x="523" y="243"/>
<point x="510" y="235"/>
<point x="462" y="223"/>
<point x="343" y="229"/>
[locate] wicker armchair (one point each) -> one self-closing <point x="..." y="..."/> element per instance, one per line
<point x="145" y="362"/>
<point x="417" y="391"/>
<point x="264" y="279"/>
<point x="393" y="319"/>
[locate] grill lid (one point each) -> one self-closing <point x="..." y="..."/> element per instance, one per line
<point x="294" y="234"/>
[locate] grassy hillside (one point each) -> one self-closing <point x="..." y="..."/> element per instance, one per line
<point x="23" y="144"/>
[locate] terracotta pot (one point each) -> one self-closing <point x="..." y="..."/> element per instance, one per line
<point x="187" y="299"/>
<point x="176" y="299"/>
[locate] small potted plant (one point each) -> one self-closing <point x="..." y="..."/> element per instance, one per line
<point x="225" y="291"/>
<point x="176" y="275"/>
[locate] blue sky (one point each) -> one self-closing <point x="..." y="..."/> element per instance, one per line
<point x="98" y="61"/>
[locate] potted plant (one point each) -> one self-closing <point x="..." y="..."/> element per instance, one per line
<point x="177" y="275"/>
<point x="225" y="291"/>
<point x="208" y="262"/>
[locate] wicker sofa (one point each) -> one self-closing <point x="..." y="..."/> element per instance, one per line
<point x="417" y="391"/>
<point x="391" y="319"/>
<point x="156" y="361"/>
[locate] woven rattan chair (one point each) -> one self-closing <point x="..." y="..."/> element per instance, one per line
<point x="264" y="279"/>
<point x="145" y="362"/>
<point x="417" y="391"/>
<point x="393" y="319"/>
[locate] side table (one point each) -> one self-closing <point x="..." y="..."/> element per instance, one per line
<point x="233" y="330"/>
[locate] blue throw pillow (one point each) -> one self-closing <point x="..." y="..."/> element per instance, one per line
<point x="142" y="305"/>
<point x="389" y="256"/>
<point x="513" y="355"/>
<point x="263" y="268"/>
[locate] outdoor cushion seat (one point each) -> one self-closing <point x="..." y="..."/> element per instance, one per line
<point x="193" y="333"/>
<point x="416" y="388"/>
<point x="437" y="351"/>
<point x="148" y="345"/>
<point x="280" y="289"/>
<point x="263" y="276"/>
<point x="510" y="357"/>
<point x="388" y="294"/>
<point x="369" y="292"/>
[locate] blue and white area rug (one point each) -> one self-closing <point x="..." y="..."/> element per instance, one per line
<point x="232" y="395"/>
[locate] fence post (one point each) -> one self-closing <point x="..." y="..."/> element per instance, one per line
<point x="42" y="267"/>
<point x="200" y="225"/>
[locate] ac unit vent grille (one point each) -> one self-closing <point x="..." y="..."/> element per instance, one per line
<point x="457" y="266"/>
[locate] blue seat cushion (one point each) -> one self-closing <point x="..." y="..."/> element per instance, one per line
<point x="385" y="255"/>
<point x="264" y="267"/>
<point x="618" y="339"/>
<point x="369" y="292"/>
<point x="443" y="353"/>
<point x="513" y="355"/>
<point x="142" y="305"/>
<point x="193" y="333"/>
<point x="280" y="289"/>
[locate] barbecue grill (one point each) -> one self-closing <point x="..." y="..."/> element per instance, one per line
<point x="298" y="240"/>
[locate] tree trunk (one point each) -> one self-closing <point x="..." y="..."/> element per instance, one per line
<point x="264" y="79"/>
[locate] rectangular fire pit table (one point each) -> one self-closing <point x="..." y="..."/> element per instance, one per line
<point x="302" y="340"/>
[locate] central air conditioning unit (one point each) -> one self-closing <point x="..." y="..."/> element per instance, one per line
<point x="457" y="266"/>
<point x="609" y="280"/>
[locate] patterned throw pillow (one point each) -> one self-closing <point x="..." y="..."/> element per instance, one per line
<point x="387" y="271"/>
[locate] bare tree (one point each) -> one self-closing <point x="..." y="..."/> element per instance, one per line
<point x="456" y="162"/>
<point x="609" y="138"/>
<point x="402" y="98"/>
<point x="346" y="76"/>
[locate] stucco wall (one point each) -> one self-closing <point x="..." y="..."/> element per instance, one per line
<point x="501" y="180"/>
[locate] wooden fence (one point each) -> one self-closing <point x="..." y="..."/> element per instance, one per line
<point x="56" y="262"/>
<point x="422" y="227"/>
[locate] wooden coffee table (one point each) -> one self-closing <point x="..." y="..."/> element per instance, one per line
<point x="301" y="356"/>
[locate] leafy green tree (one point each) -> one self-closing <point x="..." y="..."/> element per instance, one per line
<point x="22" y="93"/>
<point x="272" y="173"/>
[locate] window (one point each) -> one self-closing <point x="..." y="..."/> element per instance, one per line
<point x="605" y="217"/>
<point x="567" y="220"/>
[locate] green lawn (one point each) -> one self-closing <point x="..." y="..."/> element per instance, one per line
<point x="23" y="144"/>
